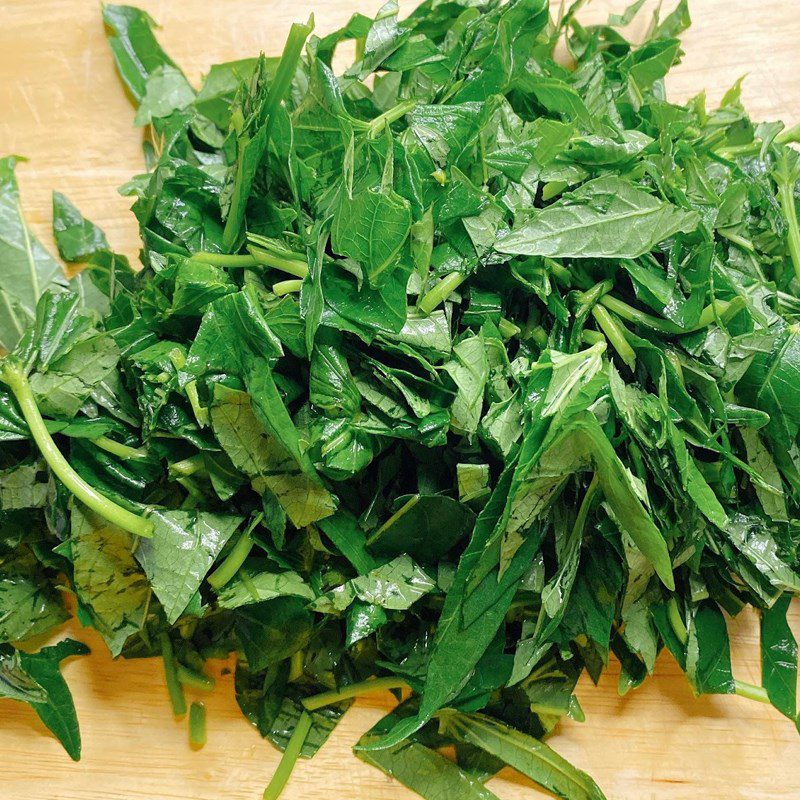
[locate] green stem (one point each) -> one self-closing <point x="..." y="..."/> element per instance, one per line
<point x="751" y="692"/>
<point x="388" y="117"/>
<point x="197" y="725"/>
<point x="233" y="562"/>
<point x="296" y="667"/>
<point x="719" y="309"/>
<point x="553" y="189"/>
<point x="286" y="287"/>
<point x="786" y="136"/>
<point x="539" y="336"/>
<point x="508" y="330"/>
<point x="590" y="337"/>
<point x="441" y="291"/>
<point x="786" y="195"/>
<point x="118" y="449"/>
<point x="12" y="375"/>
<point x="585" y="507"/>
<point x="615" y="333"/>
<point x="194" y="680"/>
<point x="225" y="260"/>
<point x="187" y="466"/>
<point x="789" y="135"/>
<point x="353" y="690"/>
<point x="293" y="266"/>
<point x="675" y="619"/>
<point x="740" y="241"/>
<point x="722" y="310"/>
<point x="289" y="758"/>
<point x="171" y="674"/>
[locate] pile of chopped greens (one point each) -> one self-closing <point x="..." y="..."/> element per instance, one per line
<point x="452" y="374"/>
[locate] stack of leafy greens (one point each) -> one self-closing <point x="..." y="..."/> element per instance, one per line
<point x="452" y="374"/>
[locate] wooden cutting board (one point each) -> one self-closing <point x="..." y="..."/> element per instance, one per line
<point x="62" y="106"/>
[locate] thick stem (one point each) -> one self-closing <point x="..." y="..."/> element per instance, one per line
<point x="197" y="725"/>
<point x="293" y="266"/>
<point x="615" y="334"/>
<point x="353" y="690"/>
<point x="286" y="287"/>
<point x="388" y="117"/>
<point x="194" y="680"/>
<point x="508" y="330"/>
<point x="13" y="376"/>
<point x="225" y="260"/>
<point x="289" y="758"/>
<point x="174" y="688"/>
<point x="231" y="565"/>
<point x="739" y="241"/>
<point x="718" y="309"/>
<point x="439" y="293"/>
<point x="118" y="449"/>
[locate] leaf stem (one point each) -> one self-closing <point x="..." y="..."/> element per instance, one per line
<point x="13" y="376"/>
<point x="197" y="725"/>
<point x="353" y="690"/>
<point x="187" y="466"/>
<point x="441" y="291"/>
<point x="174" y="687"/>
<point x="786" y="196"/>
<point x="286" y="287"/>
<point x="193" y="679"/>
<point x="118" y="449"/>
<point x="289" y="758"/>
<point x="675" y="619"/>
<point x="751" y="691"/>
<point x="395" y="113"/>
<point x="294" y="266"/>
<point x="224" y="573"/>
<point x="225" y="260"/>
<point x="719" y="309"/>
<point x="615" y="333"/>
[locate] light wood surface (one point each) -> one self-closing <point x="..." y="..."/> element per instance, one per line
<point x="62" y="106"/>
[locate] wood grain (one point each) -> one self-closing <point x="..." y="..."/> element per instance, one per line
<point x="62" y="106"/>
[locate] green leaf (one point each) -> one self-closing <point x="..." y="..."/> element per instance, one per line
<point x="425" y="527"/>
<point x="29" y="606"/>
<point x="136" y="51"/>
<point x="395" y="586"/>
<point x="260" y="457"/>
<point x="27" y="270"/>
<point x="708" y="655"/>
<point x="371" y="227"/>
<point x="421" y="769"/>
<point x="469" y="369"/>
<point x="273" y="630"/>
<point x="71" y="378"/>
<point x="779" y="658"/>
<point x="529" y="756"/>
<point x="108" y="582"/>
<point x="58" y="710"/>
<point x="254" y="587"/>
<point x="184" y="546"/>
<point x="605" y="218"/>
<point x="76" y="237"/>
<point x="219" y="88"/>
<point x="768" y="385"/>
<point x="166" y="90"/>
